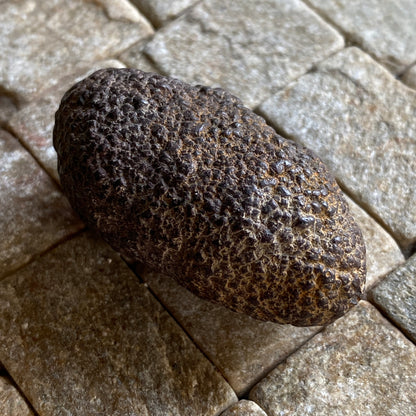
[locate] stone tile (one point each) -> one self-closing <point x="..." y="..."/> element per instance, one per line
<point x="361" y="122"/>
<point x="359" y="365"/>
<point x="244" y="408"/>
<point x="11" y="401"/>
<point x="159" y="12"/>
<point x="242" y="348"/>
<point x="34" y="123"/>
<point x="251" y="49"/>
<point x="34" y="214"/>
<point x="396" y="296"/>
<point x="81" y="335"/>
<point x="409" y="77"/>
<point x="383" y="253"/>
<point x="43" y="41"/>
<point x="385" y="29"/>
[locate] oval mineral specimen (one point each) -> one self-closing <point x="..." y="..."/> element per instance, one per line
<point x="190" y="182"/>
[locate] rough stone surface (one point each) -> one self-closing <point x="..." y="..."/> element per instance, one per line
<point x="250" y="48"/>
<point x="385" y="29"/>
<point x="396" y="296"/>
<point x="382" y="252"/>
<point x="190" y="182"/>
<point x="34" y="214"/>
<point x="409" y="77"/>
<point x="42" y="41"/>
<point x="33" y="124"/>
<point x="244" y="408"/>
<point x="159" y="12"/>
<point x="359" y="365"/>
<point x="362" y="122"/>
<point x="80" y="335"/>
<point x="11" y="401"/>
<point x="243" y="349"/>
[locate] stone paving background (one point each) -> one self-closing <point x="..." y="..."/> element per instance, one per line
<point x="81" y="333"/>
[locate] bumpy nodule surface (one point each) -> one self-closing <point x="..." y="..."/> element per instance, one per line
<point x="190" y="182"/>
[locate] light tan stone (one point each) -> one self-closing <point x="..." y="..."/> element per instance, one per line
<point x="361" y="121"/>
<point x="250" y="48"/>
<point x="359" y="365"/>
<point x="383" y="253"/>
<point x="43" y="41"/>
<point x="11" y="401"/>
<point x="34" y="123"/>
<point x="81" y="335"/>
<point x="34" y="214"/>
<point x="409" y="77"/>
<point x="242" y="348"/>
<point x="396" y="297"/>
<point x="244" y="408"/>
<point x="385" y="29"/>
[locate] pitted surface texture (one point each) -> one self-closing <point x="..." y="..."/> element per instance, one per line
<point x="189" y="181"/>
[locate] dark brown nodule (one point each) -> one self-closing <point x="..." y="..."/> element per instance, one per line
<point x="189" y="181"/>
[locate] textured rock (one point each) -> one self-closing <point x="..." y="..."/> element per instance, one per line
<point x="34" y="123"/>
<point x="80" y="335"/>
<point x="197" y="186"/>
<point x="34" y="214"/>
<point x="361" y="121"/>
<point x="244" y="408"/>
<point x="11" y="401"/>
<point x="250" y="48"/>
<point x="43" y="41"/>
<point x="409" y="77"/>
<point x="160" y="12"/>
<point x="243" y="349"/>
<point x="385" y="29"/>
<point x="382" y="252"/>
<point x="396" y="296"/>
<point x="360" y="365"/>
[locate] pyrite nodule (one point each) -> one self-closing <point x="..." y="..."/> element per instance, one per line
<point x="190" y="182"/>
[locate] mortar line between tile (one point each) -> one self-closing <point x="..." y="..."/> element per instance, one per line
<point x="194" y="342"/>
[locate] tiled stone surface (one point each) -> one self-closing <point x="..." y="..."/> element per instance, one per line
<point x="243" y="349"/>
<point x="396" y="296"/>
<point x="409" y="77"/>
<point x="385" y="29"/>
<point x="360" y="365"/>
<point x="34" y="123"/>
<point x="383" y="253"/>
<point x="80" y="335"/>
<point x="34" y="214"/>
<point x="362" y="122"/>
<point x="42" y="41"/>
<point x="250" y="48"/>
<point x="244" y="408"/>
<point x="161" y="11"/>
<point x="11" y="401"/>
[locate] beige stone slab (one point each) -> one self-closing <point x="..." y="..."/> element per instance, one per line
<point x="11" y="401"/>
<point x="244" y="408"/>
<point x="81" y="335"/>
<point x="34" y="214"/>
<point x="43" y="41"/>
<point x="33" y="124"/>
<point x="383" y="253"/>
<point x="243" y="349"/>
<point x="396" y="296"/>
<point x="409" y="77"/>
<point x="359" y="365"/>
<point x="361" y="121"/>
<point x="159" y="12"/>
<point x="250" y="48"/>
<point x="385" y="29"/>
